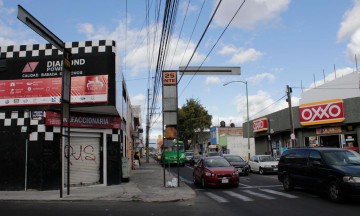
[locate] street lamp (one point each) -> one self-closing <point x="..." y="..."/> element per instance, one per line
<point x="247" y="111"/>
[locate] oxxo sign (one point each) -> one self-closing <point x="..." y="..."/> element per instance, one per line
<point x="260" y="125"/>
<point x="323" y="112"/>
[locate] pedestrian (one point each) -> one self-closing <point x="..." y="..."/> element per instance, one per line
<point x="136" y="157"/>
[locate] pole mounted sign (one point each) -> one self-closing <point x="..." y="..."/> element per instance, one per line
<point x="39" y="28"/>
<point x="44" y="32"/>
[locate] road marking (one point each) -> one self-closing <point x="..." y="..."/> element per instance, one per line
<point x="216" y="197"/>
<point x="279" y="193"/>
<point x="262" y="186"/>
<point x="239" y="196"/>
<point x="258" y="194"/>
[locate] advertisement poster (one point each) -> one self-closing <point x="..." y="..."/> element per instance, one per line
<point x="47" y="91"/>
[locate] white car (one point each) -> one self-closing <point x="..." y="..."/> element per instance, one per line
<point x="263" y="164"/>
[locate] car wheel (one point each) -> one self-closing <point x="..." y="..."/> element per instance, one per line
<point x="250" y="170"/>
<point x="334" y="191"/>
<point x="261" y="171"/>
<point x="203" y="182"/>
<point x="287" y="183"/>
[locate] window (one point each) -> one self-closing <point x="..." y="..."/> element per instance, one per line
<point x="315" y="156"/>
<point x="2" y="64"/>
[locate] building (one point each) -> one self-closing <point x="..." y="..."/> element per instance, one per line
<point x="328" y="115"/>
<point x="34" y="155"/>
<point x="231" y="140"/>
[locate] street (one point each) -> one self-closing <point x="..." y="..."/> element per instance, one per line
<point x="256" y="195"/>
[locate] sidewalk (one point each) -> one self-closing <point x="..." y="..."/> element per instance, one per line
<point x="146" y="185"/>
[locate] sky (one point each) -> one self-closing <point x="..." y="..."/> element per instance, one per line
<point x="300" y="43"/>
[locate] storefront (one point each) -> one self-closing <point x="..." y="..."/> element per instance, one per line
<point x="32" y="145"/>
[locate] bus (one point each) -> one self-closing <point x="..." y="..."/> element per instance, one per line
<point x="172" y="149"/>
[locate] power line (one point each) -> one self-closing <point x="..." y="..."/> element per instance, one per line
<point x="202" y="36"/>
<point x="182" y="25"/>
<point x="217" y="41"/>
<point x="269" y="106"/>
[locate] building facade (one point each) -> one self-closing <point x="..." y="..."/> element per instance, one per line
<point x="328" y="115"/>
<point x="34" y="154"/>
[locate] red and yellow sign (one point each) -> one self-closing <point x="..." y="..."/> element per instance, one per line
<point x="169" y="78"/>
<point x="260" y="125"/>
<point x="323" y="112"/>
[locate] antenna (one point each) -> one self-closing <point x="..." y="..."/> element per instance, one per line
<point x="335" y="71"/>
<point x="357" y="69"/>
<point x="314" y="81"/>
<point x="324" y="75"/>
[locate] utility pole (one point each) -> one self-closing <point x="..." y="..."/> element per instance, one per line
<point x="147" y="129"/>
<point x="292" y="135"/>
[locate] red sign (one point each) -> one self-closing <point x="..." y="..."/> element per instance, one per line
<point x="260" y="125"/>
<point x="323" y="112"/>
<point x="47" y="91"/>
<point x="84" y="121"/>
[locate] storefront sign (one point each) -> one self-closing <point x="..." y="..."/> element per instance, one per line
<point x="47" y="91"/>
<point x="260" y="125"/>
<point x="328" y="130"/>
<point x="84" y="121"/>
<point x="323" y="112"/>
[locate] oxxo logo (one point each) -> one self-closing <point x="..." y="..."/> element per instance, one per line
<point x="260" y="125"/>
<point x="322" y="112"/>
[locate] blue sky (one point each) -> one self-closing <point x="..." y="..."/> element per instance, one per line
<point x="275" y="42"/>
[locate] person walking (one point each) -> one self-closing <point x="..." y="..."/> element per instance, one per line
<point x="136" y="157"/>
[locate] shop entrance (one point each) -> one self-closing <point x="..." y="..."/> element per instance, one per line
<point x="330" y="141"/>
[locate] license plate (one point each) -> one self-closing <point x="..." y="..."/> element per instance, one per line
<point x="239" y="170"/>
<point x="275" y="169"/>
<point x="224" y="180"/>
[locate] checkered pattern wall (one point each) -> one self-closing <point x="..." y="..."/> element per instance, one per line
<point x="19" y="119"/>
<point x="35" y="50"/>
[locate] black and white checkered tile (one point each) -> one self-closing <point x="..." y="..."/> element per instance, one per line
<point x="19" y="118"/>
<point x="35" y="50"/>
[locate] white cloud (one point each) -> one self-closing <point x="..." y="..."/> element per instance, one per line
<point x="252" y="13"/>
<point x="351" y="22"/>
<point x="138" y="99"/>
<point x="258" y="78"/>
<point x="353" y="48"/>
<point x="212" y="80"/>
<point x="86" y="28"/>
<point x="240" y="55"/>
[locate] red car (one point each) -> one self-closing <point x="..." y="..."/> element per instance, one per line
<point x="215" y="171"/>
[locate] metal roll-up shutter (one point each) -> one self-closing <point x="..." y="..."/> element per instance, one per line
<point x="84" y="159"/>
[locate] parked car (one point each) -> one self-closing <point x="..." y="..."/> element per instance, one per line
<point x="240" y="164"/>
<point x="188" y="155"/>
<point x="332" y="170"/>
<point x="263" y="164"/>
<point x="214" y="153"/>
<point x="215" y="171"/>
<point x="194" y="159"/>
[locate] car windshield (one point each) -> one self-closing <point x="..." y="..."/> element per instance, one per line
<point x="234" y="158"/>
<point x="217" y="162"/>
<point x="342" y="158"/>
<point x="213" y="154"/>
<point x="266" y="158"/>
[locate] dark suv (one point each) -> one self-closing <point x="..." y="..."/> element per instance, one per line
<point x="331" y="170"/>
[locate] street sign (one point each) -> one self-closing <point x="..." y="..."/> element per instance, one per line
<point x="39" y="28"/>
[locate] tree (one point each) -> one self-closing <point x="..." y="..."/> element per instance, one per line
<point x="192" y="118"/>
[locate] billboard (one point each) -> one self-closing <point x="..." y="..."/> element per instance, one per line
<point x="33" y="74"/>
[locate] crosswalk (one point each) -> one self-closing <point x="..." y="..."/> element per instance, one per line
<point x="248" y="195"/>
